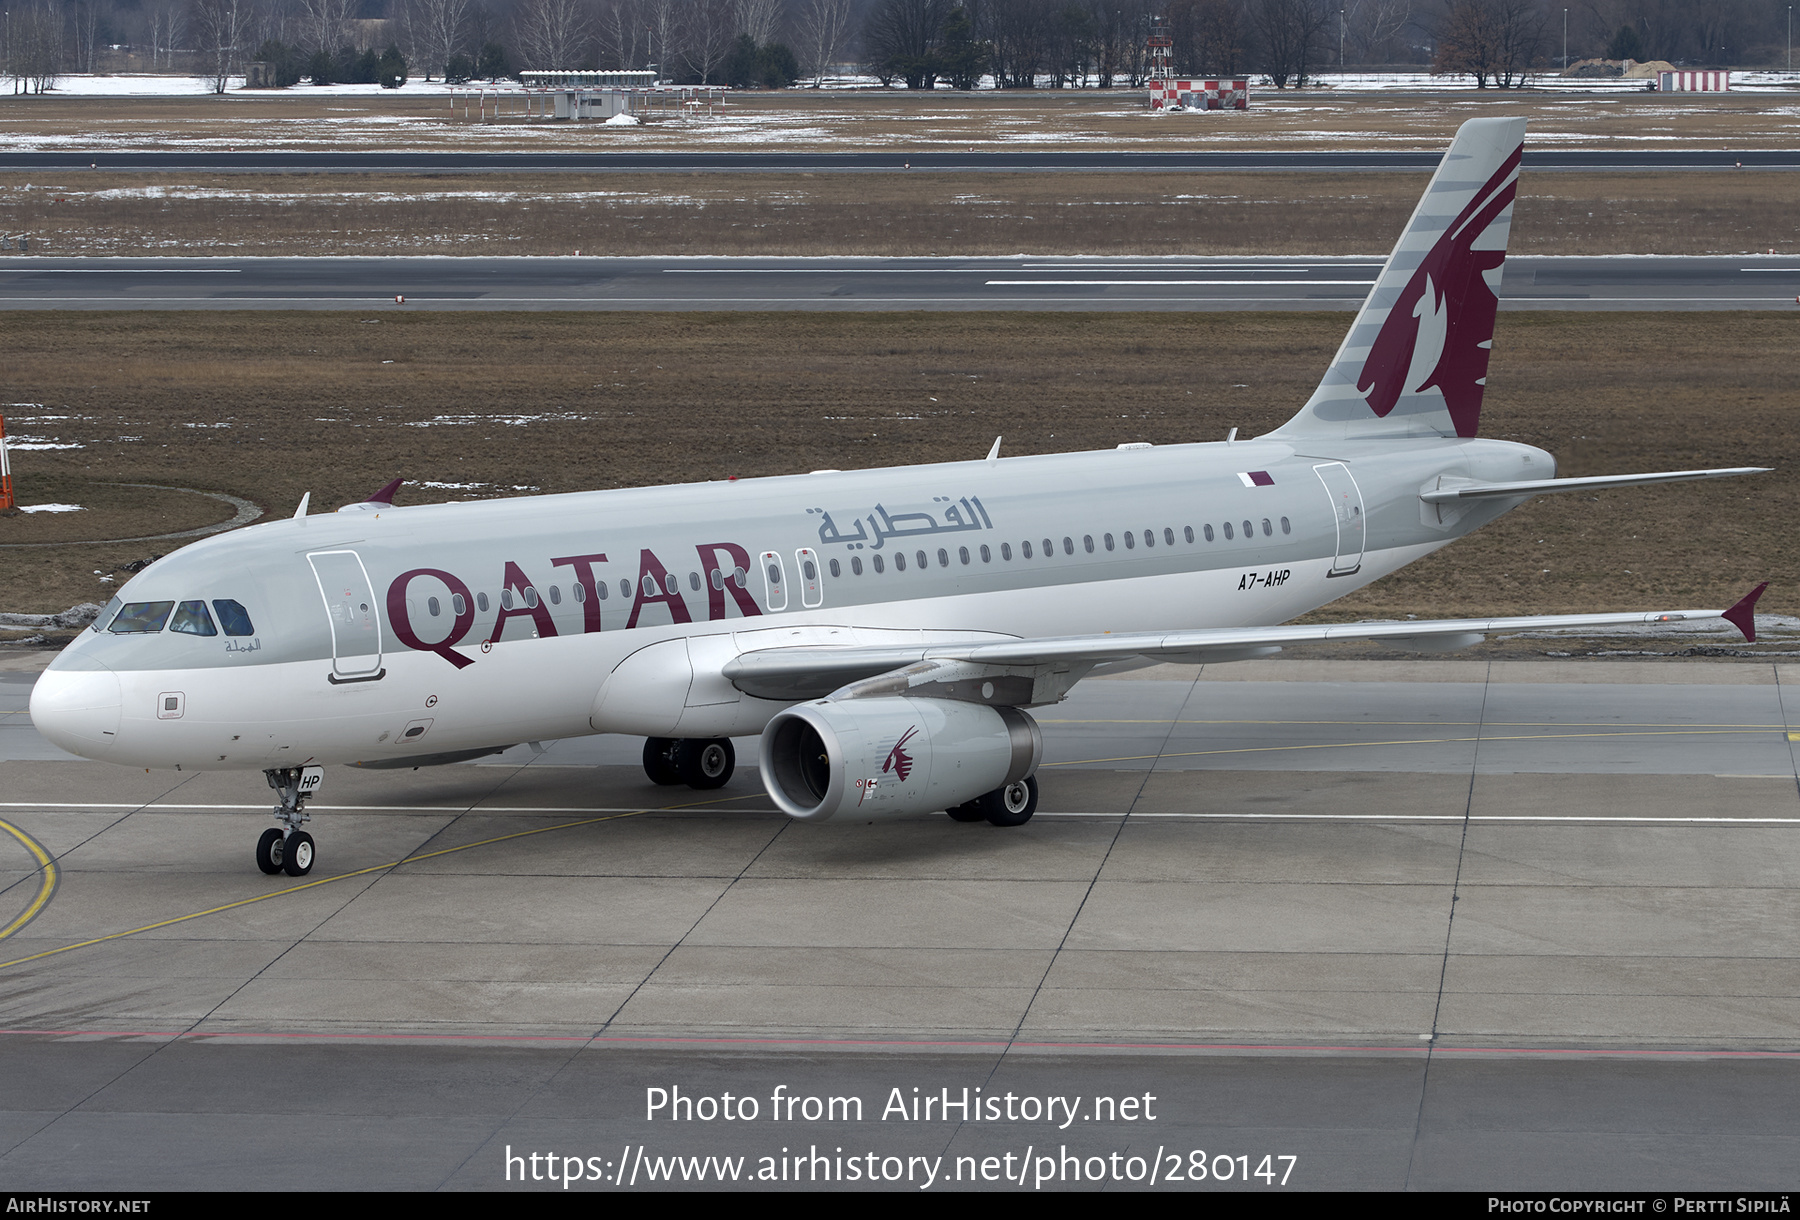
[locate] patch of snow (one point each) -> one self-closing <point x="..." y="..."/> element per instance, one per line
<point x="51" y="508"/>
<point x="38" y="442"/>
<point x="621" y="120"/>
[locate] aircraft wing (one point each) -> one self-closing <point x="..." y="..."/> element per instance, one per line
<point x="1051" y="665"/>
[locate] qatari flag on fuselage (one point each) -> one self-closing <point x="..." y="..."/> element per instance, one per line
<point x="1256" y="478"/>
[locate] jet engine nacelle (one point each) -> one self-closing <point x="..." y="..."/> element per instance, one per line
<point x="893" y="756"/>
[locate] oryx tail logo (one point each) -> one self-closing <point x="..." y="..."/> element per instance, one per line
<point x="1439" y="331"/>
<point x="898" y="760"/>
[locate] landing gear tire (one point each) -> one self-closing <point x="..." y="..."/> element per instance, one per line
<point x="270" y="849"/>
<point x="297" y="857"/>
<point x="971" y="812"/>
<point x="662" y="760"/>
<point x="1012" y="805"/>
<point x="706" y="763"/>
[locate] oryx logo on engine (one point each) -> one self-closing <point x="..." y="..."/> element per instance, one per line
<point x="898" y="760"/>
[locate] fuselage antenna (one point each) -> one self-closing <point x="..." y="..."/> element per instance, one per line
<point x="304" y="501"/>
<point x="994" y="453"/>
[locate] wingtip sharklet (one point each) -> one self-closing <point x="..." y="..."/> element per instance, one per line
<point x="1743" y="615"/>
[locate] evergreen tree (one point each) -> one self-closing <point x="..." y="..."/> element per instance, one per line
<point x="392" y="68"/>
<point x="964" y="60"/>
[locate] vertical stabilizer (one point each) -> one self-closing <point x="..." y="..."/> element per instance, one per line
<point x="1415" y="361"/>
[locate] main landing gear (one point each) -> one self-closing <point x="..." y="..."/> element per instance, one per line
<point x="287" y="848"/>
<point x="1012" y="805"/>
<point x="698" y="762"/>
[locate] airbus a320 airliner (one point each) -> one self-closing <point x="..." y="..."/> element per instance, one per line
<point x="885" y="631"/>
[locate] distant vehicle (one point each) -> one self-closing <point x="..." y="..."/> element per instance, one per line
<point x="885" y="631"/>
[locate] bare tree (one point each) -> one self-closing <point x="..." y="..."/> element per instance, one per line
<point x="623" y="31"/>
<point x="824" y="25"/>
<point x="1497" y="40"/>
<point x="761" y="19"/>
<point x="711" y="29"/>
<point x="1208" y="37"/>
<point x="551" y="33"/>
<point x="222" y="28"/>
<point x="323" y="23"/>
<point x="1018" y="32"/>
<point x="1288" y="31"/>
<point x="666" y="33"/>
<point x="86" y="28"/>
<point x="1373" y="29"/>
<point x="437" y="30"/>
<point x="167" y="23"/>
<point x="36" y="49"/>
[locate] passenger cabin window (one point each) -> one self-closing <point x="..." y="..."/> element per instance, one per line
<point x="141" y="618"/>
<point x="236" y="620"/>
<point x="191" y="618"/>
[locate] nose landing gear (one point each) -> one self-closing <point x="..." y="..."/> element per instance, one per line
<point x="287" y="848"/>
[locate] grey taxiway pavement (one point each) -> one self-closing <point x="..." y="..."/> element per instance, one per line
<point x="1449" y="924"/>
<point x="1077" y="284"/>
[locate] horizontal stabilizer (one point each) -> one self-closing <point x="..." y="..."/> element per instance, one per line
<point x="1451" y="491"/>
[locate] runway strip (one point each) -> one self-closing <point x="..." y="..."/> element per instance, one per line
<point x="1457" y="956"/>
<point x="1621" y="282"/>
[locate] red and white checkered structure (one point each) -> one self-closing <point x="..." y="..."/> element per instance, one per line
<point x="1200" y="94"/>
<point x="1693" y="82"/>
<point x="6" y="490"/>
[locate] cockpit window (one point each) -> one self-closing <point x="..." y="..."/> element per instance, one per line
<point x="141" y="618"/>
<point x="233" y="617"/>
<point x="191" y="618"/>
<point x="105" y="617"/>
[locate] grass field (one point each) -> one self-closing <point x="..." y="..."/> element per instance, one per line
<point x="267" y="406"/>
<point x="98" y="213"/>
<point x="894" y="119"/>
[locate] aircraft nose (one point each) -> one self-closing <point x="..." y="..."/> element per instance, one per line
<point x="77" y="709"/>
